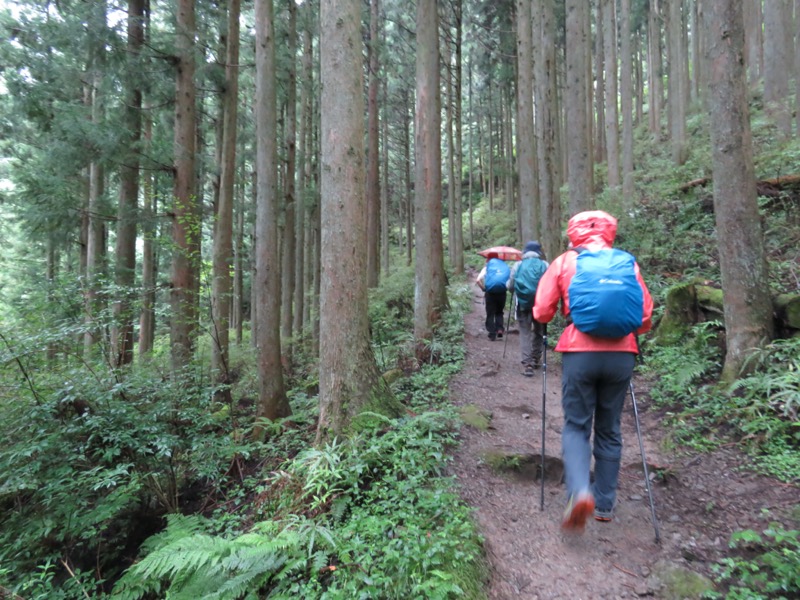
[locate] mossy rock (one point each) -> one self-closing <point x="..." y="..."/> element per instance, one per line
<point x="709" y="299"/>
<point x="392" y="375"/>
<point x="680" y="314"/>
<point x="476" y="417"/>
<point x="670" y="581"/>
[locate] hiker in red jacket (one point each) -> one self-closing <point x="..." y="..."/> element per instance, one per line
<point x="595" y="378"/>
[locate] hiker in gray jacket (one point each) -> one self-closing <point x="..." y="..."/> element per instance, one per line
<point x="531" y="332"/>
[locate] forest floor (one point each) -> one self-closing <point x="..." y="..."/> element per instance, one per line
<point x="700" y="499"/>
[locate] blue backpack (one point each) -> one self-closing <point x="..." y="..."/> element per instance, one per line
<point x="497" y="274"/>
<point x="605" y="298"/>
<point x="526" y="280"/>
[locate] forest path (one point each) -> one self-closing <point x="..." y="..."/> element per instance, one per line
<point x="703" y="499"/>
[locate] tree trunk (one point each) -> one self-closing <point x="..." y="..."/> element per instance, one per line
<point x="656" y="71"/>
<point x="272" y="401"/>
<point x="579" y="162"/>
<point x="221" y="284"/>
<point x="147" y="317"/>
<point x="304" y="176"/>
<point x="385" y="187"/>
<point x="626" y="98"/>
<point x="612" y="95"/>
<point x="450" y="165"/>
<point x="127" y="208"/>
<point x="778" y="55"/>
<point x="183" y="322"/>
<point x="677" y="93"/>
<point x="753" y="42"/>
<point x="408" y="187"/>
<point x="797" y="65"/>
<point x="95" y="239"/>
<point x="458" y="225"/>
<point x="430" y="298"/>
<point x="239" y="262"/>
<point x="290" y="243"/>
<point x="600" y="84"/>
<point x="547" y="111"/>
<point x="526" y="155"/>
<point x="470" y="160"/>
<point x="373" y="158"/>
<point x="743" y="266"/>
<point x="349" y="381"/>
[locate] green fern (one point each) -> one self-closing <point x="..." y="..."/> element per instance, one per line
<point x="190" y="565"/>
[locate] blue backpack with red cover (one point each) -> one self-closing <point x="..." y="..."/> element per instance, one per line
<point x="497" y="274"/>
<point x="605" y="298"/>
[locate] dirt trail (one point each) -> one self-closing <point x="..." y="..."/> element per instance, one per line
<point x="700" y="503"/>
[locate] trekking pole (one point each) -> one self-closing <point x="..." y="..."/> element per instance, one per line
<point x="544" y="400"/>
<point x="644" y="465"/>
<point x="510" y="308"/>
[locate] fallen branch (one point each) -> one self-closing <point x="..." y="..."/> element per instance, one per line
<point x="694" y="183"/>
<point x="624" y="570"/>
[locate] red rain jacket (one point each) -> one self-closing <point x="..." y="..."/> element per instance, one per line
<point x="592" y="230"/>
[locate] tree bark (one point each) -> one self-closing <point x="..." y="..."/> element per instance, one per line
<point x="612" y="93"/>
<point x="656" y="71"/>
<point x="626" y="98"/>
<point x="349" y="380"/>
<point x="579" y="162"/>
<point x="753" y="38"/>
<point x="677" y="92"/>
<point x="778" y="56"/>
<point x="600" y="84"/>
<point x="430" y="298"/>
<point x="221" y="285"/>
<point x="288" y="241"/>
<point x="458" y="226"/>
<point x="272" y="401"/>
<point x="547" y="110"/>
<point x="373" y="158"/>
<point x="743" y="266"/>
<point x="147" y="318"/>
<point x="183" y="322"/>
<point x="303" y="179"/>
<point x="125" y="249"/>
<point x="526" y="155"/>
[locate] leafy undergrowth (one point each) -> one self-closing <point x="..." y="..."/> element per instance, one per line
<point x="764" y="565"/>
<point x="99" y="473"/>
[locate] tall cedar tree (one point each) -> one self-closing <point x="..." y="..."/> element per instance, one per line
<point x="430" y="298"/>
<point x="272" y="401"/>
<point x="349" y="380"/>
<point x="745" y="285"/>
<point x="185" y="226"/>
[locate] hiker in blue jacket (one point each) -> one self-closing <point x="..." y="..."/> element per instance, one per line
<point x="492" y="280"/>
<point x="522" y="282"/>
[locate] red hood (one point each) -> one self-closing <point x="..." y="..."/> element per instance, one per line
<point x="592" y="228"/>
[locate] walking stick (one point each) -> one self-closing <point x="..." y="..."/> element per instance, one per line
<point x="510" y="308"/>
<point x="644" y="465"/>
<point x="544" y="401"/>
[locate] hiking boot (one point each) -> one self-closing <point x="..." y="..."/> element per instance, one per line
<point x="492" y="337"/>
<point x="500" y="333"/>
<point x="603" y="515"/>
<point x="529" y="371"/>
<point x="578" y="510"/>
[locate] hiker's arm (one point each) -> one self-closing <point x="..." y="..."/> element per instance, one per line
<point x="647" y="322"/>
<point x="480" y="279"/>
<point x="548" y="293"/>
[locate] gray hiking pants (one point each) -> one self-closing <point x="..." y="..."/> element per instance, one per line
<point x="593" y="386"/>
<point x="531" y="335"/>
